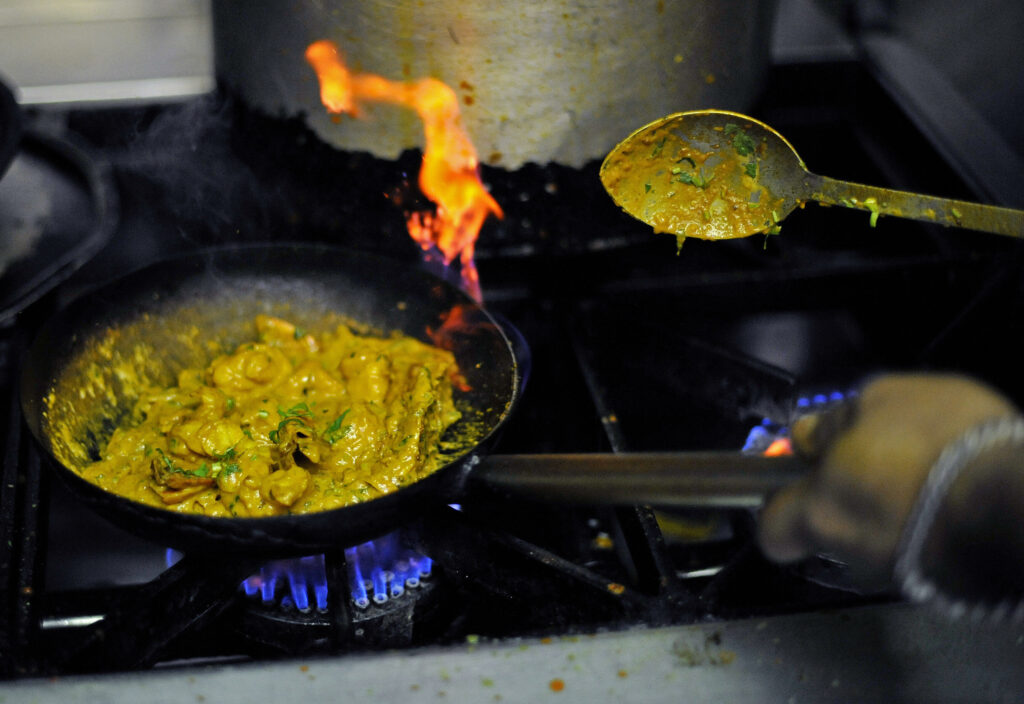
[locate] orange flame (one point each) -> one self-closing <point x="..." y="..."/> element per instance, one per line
<point x="454" y="322"/>
<point x="450" y="173"/>
<point x="779" y="447"/>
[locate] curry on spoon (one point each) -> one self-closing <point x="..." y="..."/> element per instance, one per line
<point x="715" y="174"/>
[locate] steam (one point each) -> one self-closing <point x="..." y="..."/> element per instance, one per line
<point x="186" y="161"/>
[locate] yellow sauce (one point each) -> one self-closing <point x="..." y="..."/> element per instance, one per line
<point x="289" y="423"/>
<point x="664" y="181"/>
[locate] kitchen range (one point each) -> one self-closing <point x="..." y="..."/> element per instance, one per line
<point x="624" y="342"/>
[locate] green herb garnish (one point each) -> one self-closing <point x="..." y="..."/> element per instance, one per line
<point x="299" y="413"/>
<point x="226" y="469"/>
<point x="275" y="435"/>
<point x="171" y="467"/>
<point x="202" y="472"/>
<point x="699" y="180"/>
<point x="741" y="141"/>
<point x="335" y="431"/>
<point x="299" y="409"/>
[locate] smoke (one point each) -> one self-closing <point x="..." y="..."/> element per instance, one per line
<point x="184" y="162"/>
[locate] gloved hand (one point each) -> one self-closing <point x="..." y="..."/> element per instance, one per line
<point x="872" y="456"/>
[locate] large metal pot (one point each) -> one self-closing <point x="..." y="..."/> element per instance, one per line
<point x="559" y="80"/>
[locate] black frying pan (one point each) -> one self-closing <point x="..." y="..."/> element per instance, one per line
<point x="219" y="293"/>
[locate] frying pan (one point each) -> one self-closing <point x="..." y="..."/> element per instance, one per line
<point x="157" y="311"/>
<point x="218" y="293"/>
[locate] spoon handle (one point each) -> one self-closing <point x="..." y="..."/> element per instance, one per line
<point x="916" y="206"/>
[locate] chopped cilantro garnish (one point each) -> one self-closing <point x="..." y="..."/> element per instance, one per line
<point x="647" y="188"/>
<point x="167" y="462"/>
<point x="227" y="469"/>
<point x="698" y="180"/>
<point x="275" y="435"/>
<point x="299" y="409"/>
<point x="228" y="454"/>
<point x="335" y="431"/>
<point x="741" y="141"/>
<point x="658" y="147"/>
<point x="299" y="333"/>
<point x="750" y="168"/>
<point x="202" y="471"/>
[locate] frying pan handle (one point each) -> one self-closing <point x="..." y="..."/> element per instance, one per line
<point x="679" y="479"/>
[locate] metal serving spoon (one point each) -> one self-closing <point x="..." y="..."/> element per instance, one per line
<point x="715" y="175"/>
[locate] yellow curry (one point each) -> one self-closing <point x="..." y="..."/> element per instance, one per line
<point x="681" y="189"/>
<point x="290" y="423"/>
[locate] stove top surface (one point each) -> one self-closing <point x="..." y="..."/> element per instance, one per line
<point x="634" y="347"/>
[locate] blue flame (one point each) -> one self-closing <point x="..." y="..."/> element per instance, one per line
<point x="377" y="571"/>
<point x="768" y="430"/>
<point x="356" y="583"/>
<point x="171" y="556"/>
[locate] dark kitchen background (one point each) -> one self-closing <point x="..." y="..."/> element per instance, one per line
<point x="133" y="146"/>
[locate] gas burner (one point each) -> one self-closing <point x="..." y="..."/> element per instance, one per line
<point x="771" y="435"/>
<point x="383" y="587"/>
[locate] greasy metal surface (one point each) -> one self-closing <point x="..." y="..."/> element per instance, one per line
<point x="916" y="206"/>
<point x="884" y="653"/>
<point x="553" y="81"/>
<point x="692" y="479"/>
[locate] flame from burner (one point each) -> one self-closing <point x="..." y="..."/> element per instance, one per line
<point x="378" y="571"/>
<point x="771" y="438"/>
<point x="450" y="173"/>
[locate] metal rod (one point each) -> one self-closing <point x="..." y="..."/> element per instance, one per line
<point x="691" y="479"/>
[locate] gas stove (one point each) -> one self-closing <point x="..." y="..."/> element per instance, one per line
<point x="633" y="346"/>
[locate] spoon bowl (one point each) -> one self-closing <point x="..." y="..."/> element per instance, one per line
<point x="715" y="174"/>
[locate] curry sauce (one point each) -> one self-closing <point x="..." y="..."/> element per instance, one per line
<point x="288" y="423"/>
<point x="679" y="188"/>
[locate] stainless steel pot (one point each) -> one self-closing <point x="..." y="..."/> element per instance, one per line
<point x="557" y="80"/>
